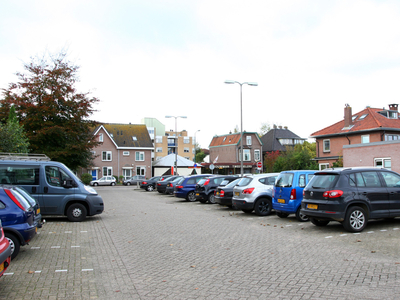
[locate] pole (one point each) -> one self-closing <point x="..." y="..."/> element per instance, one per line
<point x="241" y="133"/>
<point x="176" y="148"/>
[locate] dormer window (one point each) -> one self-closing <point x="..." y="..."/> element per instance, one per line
<point x="101" y="139"/>
<point x="134" y="138"/>
<point x="390" y="114"/>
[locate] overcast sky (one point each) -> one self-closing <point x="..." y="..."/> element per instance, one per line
<point x="171" y="57"/>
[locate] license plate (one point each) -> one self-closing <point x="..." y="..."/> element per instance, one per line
<point x="197" y="194"/>
<point x="38" y="211"/>
<point x="237" y="193"/>
<point x="217" y="193"/>
<point x="281" y="200"/>
<point x="1" y="268"/>
<point x="312" y="206"/>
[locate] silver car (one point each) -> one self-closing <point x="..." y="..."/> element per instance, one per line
<point x="105" y="180"/>
<point x="134" y="180"/>
<point x="254" y="192"/>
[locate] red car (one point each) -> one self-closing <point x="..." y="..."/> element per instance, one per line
<point x="5" y="252"/>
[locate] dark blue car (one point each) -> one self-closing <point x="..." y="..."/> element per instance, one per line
<point x="185" y="188"/>
<point x="18" y="218"/>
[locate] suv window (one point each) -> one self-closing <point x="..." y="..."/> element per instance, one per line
<point x="285" y="180"/>
<point x="391" y="180"/>
<point x="323" y="181"/>
<point x="244" y="181"/>
<point x="267" y="180"/>
<point x="371" y="179"/>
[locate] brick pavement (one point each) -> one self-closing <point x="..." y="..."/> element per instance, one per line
<point x="151" y="246"/>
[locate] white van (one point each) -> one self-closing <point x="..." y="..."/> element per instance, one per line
<point x="55" y="187"/>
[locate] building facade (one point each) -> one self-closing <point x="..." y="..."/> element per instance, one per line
<point x="124" y="150"/>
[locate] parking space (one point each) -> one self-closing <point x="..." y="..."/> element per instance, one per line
<point x="152" y="246"/>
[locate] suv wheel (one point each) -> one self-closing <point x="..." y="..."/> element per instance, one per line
<point x="300" y="217"/>
<point x="263" y="207"/>
<point x="191" y="197"/>
<point x="355" y="220"/>
<point x="319" y="223"/>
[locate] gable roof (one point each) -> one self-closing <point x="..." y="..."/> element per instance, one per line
<point x="128" y="135"/>
<point x="369" y="119"/>
<point x="230" y="139"/>
<point x="271" y="142"/>
<point x="169" y="160"/>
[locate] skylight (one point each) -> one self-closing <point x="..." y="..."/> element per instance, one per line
<point x="134" y="138"/>
<point x="363" y="117"/>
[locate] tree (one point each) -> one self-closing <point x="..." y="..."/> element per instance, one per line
<point x="265" y="127"/>
<point x="270" y="160"/>
<point x="200" y="156"/>
<point x="12" y="136"/>
<point x="297" y="158"/>
<point x="54" y="115"/>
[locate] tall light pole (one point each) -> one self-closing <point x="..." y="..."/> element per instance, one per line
<point x="195" y="145"/>
<point x="241" y="118"/>
<point x="176" y="146"/>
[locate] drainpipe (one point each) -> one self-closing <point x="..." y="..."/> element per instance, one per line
<point x="382" y="135"/>
<point x="348" y="139"/>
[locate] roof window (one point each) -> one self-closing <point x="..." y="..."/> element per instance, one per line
<point x="363" y="117"/>
<point x="134" y="138"/>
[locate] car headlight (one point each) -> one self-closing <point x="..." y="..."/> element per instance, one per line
<point x="90" y="190"/>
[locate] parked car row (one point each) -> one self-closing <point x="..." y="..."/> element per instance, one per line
<point x="351" y="196"/>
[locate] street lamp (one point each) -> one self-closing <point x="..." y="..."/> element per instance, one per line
<point x="194" y="159"/>
<point x="241" y="118"/>
<point x="176" y="146"/>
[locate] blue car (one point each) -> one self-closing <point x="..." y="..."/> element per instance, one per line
<point x="288" y="193"/>
<point x="185" y="188"/>
<point x="18" y="218"/>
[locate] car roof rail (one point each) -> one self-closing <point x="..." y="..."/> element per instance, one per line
<point x="24" y="156"/>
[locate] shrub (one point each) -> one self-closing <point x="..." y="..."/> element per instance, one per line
<point x="86" y="178"/>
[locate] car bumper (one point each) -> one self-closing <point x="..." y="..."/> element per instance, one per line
<point x="200" y="196"/>
<point x="96" y="204"/>
<point x="241" y="204"/>
<point x="290" y="207"/>
<point x="223" y="201"/>
<point x="322" y="211"/>
<point x="5" y="259"/>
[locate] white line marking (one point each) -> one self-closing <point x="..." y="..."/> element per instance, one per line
<point x="57" y="271"/>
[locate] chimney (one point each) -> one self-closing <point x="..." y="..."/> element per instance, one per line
<point x="347" y="116"/>
<point x="393" y="107"/>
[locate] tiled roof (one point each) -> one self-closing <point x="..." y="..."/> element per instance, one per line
<point x="225" y="140"/>
<point x="271" y="142"/>
<point x="129" y="135"/>
<point x="373" y="120"/>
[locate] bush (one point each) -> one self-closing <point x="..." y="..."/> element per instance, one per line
<point x="86" y="178"/>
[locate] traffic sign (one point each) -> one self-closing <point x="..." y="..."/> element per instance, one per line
<point x="259" y="165"/>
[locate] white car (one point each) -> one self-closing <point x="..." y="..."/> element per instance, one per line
<point x="105" y="180"/>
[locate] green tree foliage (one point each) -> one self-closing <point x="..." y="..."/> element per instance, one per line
<point x="270" y="160"/>
<point x="86" y="178"/>
<point x="200" y="156"/>
<point x="12" y="136"/>
<point x="54" y="115"/>
<point x="297" y="158"/>
<point x="265" y="127"/>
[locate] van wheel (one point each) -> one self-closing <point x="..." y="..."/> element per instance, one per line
<point x="300" y="217"/>
<point x="319" y="223"/>
<point x="263" y="207"/>
<point x="355" y="220"/>
<point x="76" y="212"/>
<point x="14" y="243"/>
<point x="282" y="214"/>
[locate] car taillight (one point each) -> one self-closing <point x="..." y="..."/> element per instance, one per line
<point x="144" y="182"/>
<point x="332" y="194"/>
<point x="207" y="182"/>
<point x="248" y="191"/>
<point x="158" y="183"/>
<point x="15" y="200"/>
<point x="222" y="193"/>
<point x="293" y="194"/>
<point x="179" y="187"/>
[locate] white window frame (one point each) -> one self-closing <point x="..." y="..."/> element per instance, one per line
<point x="107" y="171"/>
<point x="257" y="156"/>
<point x="186" y="150"/>
<point x="108" y="155"/>
<point x="248" y="140"/>
<point x="158" y="139"/>
<point x="323" y="145"/>
<point x="101" y="137"/>
<point x="139" y="156"/>
<point x="126" y="173"/>
<point x="246" y="154"/>
<point x="365" y="139"/>
<point x="186" y="140"/>
<point x="383" y="162"/>
<point x="159" y="149"/>
<point x="323" y="166"/>
<point x="126" y="153"/>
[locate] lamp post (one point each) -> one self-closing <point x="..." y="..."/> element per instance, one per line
<point x="194" y="159"/>
<point x="176" y="146"/>
<point x="241" y="118"/>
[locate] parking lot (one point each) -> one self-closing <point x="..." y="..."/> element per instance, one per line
<point x="152" y="246"/>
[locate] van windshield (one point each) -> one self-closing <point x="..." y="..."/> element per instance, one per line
<point x="285" y="180"/>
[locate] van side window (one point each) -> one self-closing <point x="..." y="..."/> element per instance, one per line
<point x="55" y="176"/>
<point x="19" y="175"/>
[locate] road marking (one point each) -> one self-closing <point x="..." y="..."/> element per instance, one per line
<point x="55" y="247"/>
<point x="68" y="232"/>
<point x="87" y="270"/>
<point x="58" y="271"/>
<point x="35" y="247"/>
<point x="329" y="237"/>
<point x="75" y="246"/>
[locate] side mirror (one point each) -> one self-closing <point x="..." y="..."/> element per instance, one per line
<point x="68" y="183"/>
